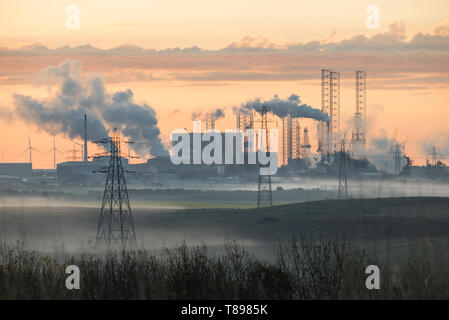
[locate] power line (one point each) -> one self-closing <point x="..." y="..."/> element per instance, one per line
<point x="115" y="225"/>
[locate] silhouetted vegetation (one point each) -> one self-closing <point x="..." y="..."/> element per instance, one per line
<point x="304" y="268"/>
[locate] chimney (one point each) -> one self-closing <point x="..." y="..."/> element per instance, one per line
<point x="85" y="138"/>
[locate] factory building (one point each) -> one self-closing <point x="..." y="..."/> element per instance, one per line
<point x="21" y="170"/>
<point x="198" y="169"/>
<point x="84" y="171"/>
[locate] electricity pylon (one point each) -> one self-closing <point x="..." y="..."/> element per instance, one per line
<point x="264" y="194"/>
<point x="397" y="154"/>
<point x="397" y="158"/>
<point x="342" y="174"/>
<point x="115" y="224"/>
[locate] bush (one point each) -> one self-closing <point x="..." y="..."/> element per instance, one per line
<point x="304" y="268"/>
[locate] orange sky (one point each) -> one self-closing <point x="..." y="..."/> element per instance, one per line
<point x="407" y="74"/>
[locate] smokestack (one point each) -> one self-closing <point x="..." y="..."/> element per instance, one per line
<point x="85" y="138"/>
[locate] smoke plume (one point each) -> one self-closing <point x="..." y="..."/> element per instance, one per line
<point x="196" y="116"/>
<point x="381" y="153"/>
<point x="218" y="113"/>
<point x="441" y="142"/>
<point x="291" y="106"/>
<point x="76" y="96"/>
<point x="199" y="115"/>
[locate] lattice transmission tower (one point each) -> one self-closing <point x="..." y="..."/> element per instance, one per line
<point x="359" y="132"/>
<point x="434" y="157"/>
<point x="334" y="103"/>
<point x="397" y="151"/>
<point x="329" y="132"/>
<point x="342" y="173"/>
<point x="264" y="194"/>
<point x="115" y="224"/>
<point x="324" y="128"/>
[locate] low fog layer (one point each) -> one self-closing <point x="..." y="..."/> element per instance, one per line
<point x="60" y="227"/>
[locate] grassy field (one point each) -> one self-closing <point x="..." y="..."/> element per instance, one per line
<point x="389" y="228"/>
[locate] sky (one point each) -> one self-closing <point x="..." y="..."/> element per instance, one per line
<point x="180" y="57"/>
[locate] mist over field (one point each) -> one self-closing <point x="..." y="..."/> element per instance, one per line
<point x="63" y="221"/>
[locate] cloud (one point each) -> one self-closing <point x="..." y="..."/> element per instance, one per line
<point x="398" y="28"/>
<point x="441" y="29"/>
<point x="249" y="43"/>
<point x="393" y="39"/>
<point x="329" y="37"/>
<point x="429" y="42"/>
<point x="389" y="54"/>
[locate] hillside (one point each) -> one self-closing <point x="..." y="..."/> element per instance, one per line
<point x="386" y="226"/>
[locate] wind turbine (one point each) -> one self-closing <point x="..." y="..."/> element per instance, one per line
<point x="54" y="153"/>
<point x="30" y="148"/>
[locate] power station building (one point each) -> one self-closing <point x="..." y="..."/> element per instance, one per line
<point x="21" y="170"/>
<point x="83" y="171"/>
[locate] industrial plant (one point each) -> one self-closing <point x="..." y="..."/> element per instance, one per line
<point x="297" y="155"/>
